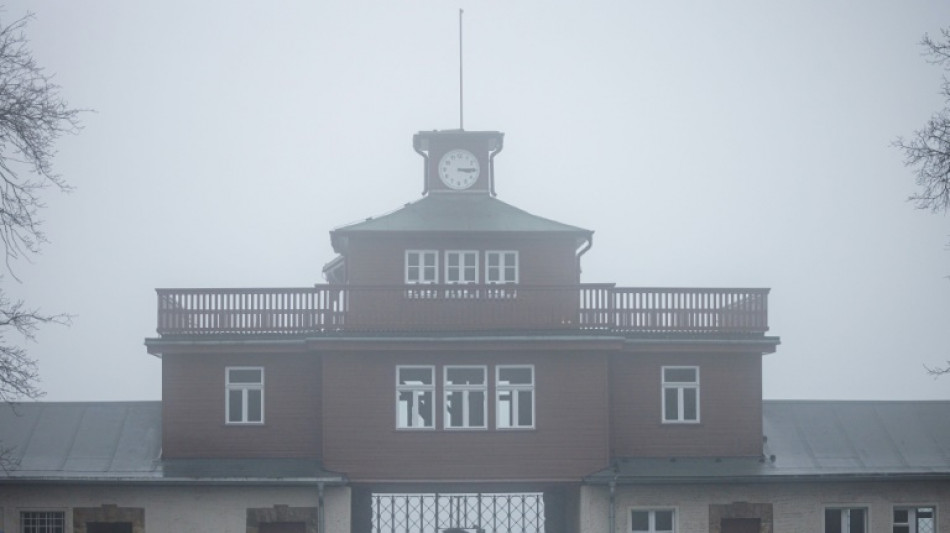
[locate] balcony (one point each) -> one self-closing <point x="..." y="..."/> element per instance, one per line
<point x="326" y="309"/>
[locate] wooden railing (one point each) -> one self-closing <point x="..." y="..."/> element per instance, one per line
<point x="326" y="308"/>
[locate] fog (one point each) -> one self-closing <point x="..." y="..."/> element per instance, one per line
<point x="708" y="144"/>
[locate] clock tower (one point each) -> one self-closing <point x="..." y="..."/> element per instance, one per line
<point x="458" y="161"/>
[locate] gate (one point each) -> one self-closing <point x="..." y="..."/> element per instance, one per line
<point x="470" y="512"/>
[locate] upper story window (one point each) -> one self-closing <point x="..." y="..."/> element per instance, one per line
<point x="422" y="266"/>
<point x="415" y="391"/>
<point x="466" y="392"/>
<point x="650" y="521"/>
<point x="914" y="520"/>
<point x="846" y="520"/>
<point x="245" y="395"/>
<point x="42" y="522"/>
<point x="514" y="388"/>
<point x="461" y="267"/>
<point x="680" y="394"/>
<point x="501" y="267"/>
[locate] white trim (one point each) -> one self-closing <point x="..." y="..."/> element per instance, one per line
<point x="465" y="390"/>
<point x="515" y="398"/>
<point x="67" y="516"/>
<point x="244" y="388"/>
<point x="418" y="391"/>
<point x="422" y="254"/>
<point x="848" y="507"/>
<point x="461" y="267"/>
<point x="680" y="387"/>
<point x="653" y="510"/>
<point x="502" y="265"/>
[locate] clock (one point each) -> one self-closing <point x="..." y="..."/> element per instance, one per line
<point x="458" y="169"/>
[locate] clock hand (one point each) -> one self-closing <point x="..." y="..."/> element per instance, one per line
<point x="469" y="170"/>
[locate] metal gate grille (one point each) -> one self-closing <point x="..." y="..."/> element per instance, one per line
<point x="435" y="513"/>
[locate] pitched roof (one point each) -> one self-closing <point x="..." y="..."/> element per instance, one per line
<point x="459" y="213"/>
<point x="819" y="439"/>
<point x="120" y="442"/>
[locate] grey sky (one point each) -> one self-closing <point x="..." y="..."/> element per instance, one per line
<point x="706" y="143"/>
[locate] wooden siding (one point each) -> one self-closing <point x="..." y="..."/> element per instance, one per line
<point x="193" y="407"/>
<point x="381" y="260"/>
<point x="730" y="406"/>
<point x="569" y="440"/>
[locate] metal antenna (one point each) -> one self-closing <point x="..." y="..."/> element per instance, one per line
<point x="461" y="127"/>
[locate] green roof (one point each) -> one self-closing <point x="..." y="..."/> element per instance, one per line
<point x="460" y="213"/>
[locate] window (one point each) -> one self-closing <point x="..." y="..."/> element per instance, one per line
<point x="846" y="520"/>
<point x="461" y="267"/>
<point x="651" y="521"/>
<point x="914" y="520"/>
<point x="501" y="267"/>
<point x="42" y="522"/>
<point x="245" y="391"/>
<point x="515" y="396"/>
<point x="680" y="394"/>
<point x="415" y="390"/>
<point x="466" y="392"/>
<point x="422" y="266"/>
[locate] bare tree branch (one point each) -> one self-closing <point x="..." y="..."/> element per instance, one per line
<point x="928" y="149"/>
<point x="33" y="115"/>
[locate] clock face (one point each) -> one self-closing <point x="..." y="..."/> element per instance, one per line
<point x="458" y="169"/>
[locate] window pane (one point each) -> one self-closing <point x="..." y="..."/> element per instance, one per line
<point x="901" y="529"/>
<point x="235" y="406"/>
<point x="664" y="520"/>
<point x="255" y="405"/>
<point x="504" y="413"/>
<point x="900" y="516"/>
<point x="690" y="404"/>
<point x="679" y="375"/>
<point x="833" y="521"/>
<point x="244" y="375"/>
<point x="464" y="376"/>
<point x="476" y="401"/>
<point x="415" y="376"/>
<point x="640" y="520"/>
<point x="514" y="376"/>
<point x="525" y="408"/>
<point x="454" y="409"/>
<point x="671" y="404"/>
<point x="857" y="521"/>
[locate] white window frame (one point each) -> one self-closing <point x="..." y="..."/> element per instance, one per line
<point x="419" y="277"/>
<point x="466" y="391"/>
<point x="680" y="387"/>
<point x="912" y="517"/>
<point x="418" y="391"/>
<point x="513" y="390"/>
<point x="244" y="389"/>
<point x="46" y="527"/>
<point x="652" y="519"/>
<point x="465" y="272"/>
<point x="845" y="517"/>
<point x="498" y="271"/>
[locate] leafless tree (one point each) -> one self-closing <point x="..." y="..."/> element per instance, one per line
<point x="33" y="115"/>
<point x="928" y="150"/>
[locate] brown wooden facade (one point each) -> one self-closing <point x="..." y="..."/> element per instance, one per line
<point x="330" y="355"/>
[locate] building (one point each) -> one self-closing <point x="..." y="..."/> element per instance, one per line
<point x="455" y="373"/>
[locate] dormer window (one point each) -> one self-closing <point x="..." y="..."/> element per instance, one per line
<point x="422" y="266"/>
